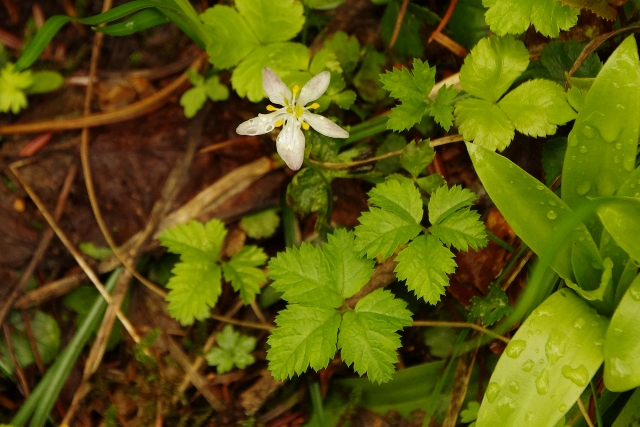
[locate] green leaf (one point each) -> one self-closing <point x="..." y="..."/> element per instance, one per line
<point x="600" y="8"/>
<point x="461" y="229"/>
<point x="471" y="413"/>
<point x="407" y="114"/>
<point x="243" y="272"/>
<point x="95" y="252"/>
<point x="232" y="349"/>
<point x="344" y="99"/>
<point x="492" y="66"/>
<point x="536" y="107"/>
<point x="44" y="81"/>
<point x="367" y="80"/>
<point x="400" y="198"/>
<point x="515" y="16"/>
<point x="424" y="264"/>
<point x="282" y="58"/>
<point x="431" y="183"/>
<point x="493" y="307"/>
<point x="324" y="59"/>
<point x="484" y="123"/>
<point x="552" y="159"/>
<point x="445" y="201"/>
<point x="441" y="109"/>
<point x="232" y="37"/>
<point x="215" y="90"/>
<point x="194" y="290"/>
<point x="194" y="241"/>
<point x="416" y="156"/>
<point x="559" y="56"/>
<point x="262" y="224"/>
<point x="347" y="270"/>
<point x="346" y="49"/>
<point x="546" y="366"/>
<point x="305" y="336"/>
<point x="271" y="21"/>
<point x="301" y="274"/>
<point x="621" y="218"/>
<point x="392" y="142"/>
<point x="192" y="101"/>
<point x="308" y="192"/>
<point x="12" y="89"/>
<point x="368" y="336"/>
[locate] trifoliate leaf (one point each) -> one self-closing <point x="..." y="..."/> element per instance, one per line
<point x="262" y="224"/>
<point x="442" y="108"/>
<point x="283" y="58"/>
<point x="232" y="349"/>
<point x="345" y="268"/>
<point x="301" y="273"/>
<point x="381" y="232"/>
<point x="400" y="198"/>
<point x="471" y="413"/>
<point x="536" y="107"/>
<point x="194" y="241"/>
<point x="515" y="16"/>
<point x="272" y="21"/>
<point x="461" y="229"/>
<point x="194" y="290"/>
<point x="215" y="90"/>
<point x="484" y="123"/>
<point x="305" y="336"/>
<point x="407" y="114"/>
<point x="559" y="56"/>
<point x="192" y="101"/>
<point x="346" y="48"/>
<point x="493" y="65"/>
<point x="368" y="336"/>
<point x="232" y="37"/>
<point x="243" y="273"/>
<point x="431" y="183"/>
<point x="492" y="307"/>
<point x="424" y="264"/>
<point x="12" y="89"/>
<point x="416" y="157"/>
<point x="445" y="201"/>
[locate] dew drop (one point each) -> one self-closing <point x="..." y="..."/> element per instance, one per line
<point x="515" y="348"/>
<point x="629" y="163"/>
<point x="555" y="346"/>
<point x="541" y="202"/>
<point x="579" y="323"/>
<point x="620" y="106"/>
<point x="619" y="367"/>
<point x="562" y="408"/>
<point x="505" y="406"/>
<point x="618" y="146"/>
<point x="616" y="159"/>
<point x="579" y="376"/>
<point x="540" y="187"/>
<point x="573" y="140"/>
<point x="514" y="387"/>
<point x="552" y="203"/>
<point x="635" y="294"/>
<point x="528" y="365"/>
<point x="541" y="361"/>
<point x="492" y="392"/>
<point x="632" y="185"/>
<point x="552" y="215"/>
<point x="588" y="132"/>
<point x="510" y="166"/>
<point x="583" y="149"/>
<point x="542" y="382"/>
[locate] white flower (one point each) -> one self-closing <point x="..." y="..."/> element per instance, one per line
<point x="294" y="114"/>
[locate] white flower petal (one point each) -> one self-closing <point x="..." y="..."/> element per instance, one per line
<point x="260" y="125"/>
<point x="290" y="144"/>
<point x="314" y="88"/>
<point x="276" y="90"/>
<point x="324" y="125"/>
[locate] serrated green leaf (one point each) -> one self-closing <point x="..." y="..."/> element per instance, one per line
<point x="215" y="90"/>
<point x="283" y="58"/>
<point x="381" y="232"/>
<point x="232" y="37"/>
<point x="194" y="241"/>
<point x="346" y="48"/>
<point x="262" y="224"/>
<point x="399" y="197"/>
<point x="272" y="21"/>
<point x="194" y="290"/>
<point x="515" y="16"/>
<point x="461" y="229"/>
<point x="445" y="201"/>
<point x="324" y="59"/>
<point x="232" y="349"/>
<point x="301" y="273"/>
<point x="536" y="107"/>
<point x="12" y="89"/>
<point x="305" y="336"/>
<point x="243" y="273"/>
<point x="600" y="8"/>
<point x="193" y="100"/>
<point x="492" y="67"/>
<point x="491" y="308"/>
<point x="308" y="191"/>
<point x="484" y="123"/>
<point x="559" y="56"/>
<point x="368" y="337"/>
<point x="344" y="99"/>
<point x="424" y="264"/>
<point x="407" y="114"/>
<point x="416" y="156"/>
<point x="347" y="270"/>
<point x="393" y="142"/>
<point x="441" y="109"/>
<point x="431" y="183"/>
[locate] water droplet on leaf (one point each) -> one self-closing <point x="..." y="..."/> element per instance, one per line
<point x="492" y="392"/>
<point x="552" y="215"/>
<point x="542" y="382"/>
<point x="515" y="348"/>
<point x="528" y="365"/>
<point x="579" y="376"/>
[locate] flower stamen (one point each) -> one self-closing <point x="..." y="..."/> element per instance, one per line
<point x="271" y="108"/>
<point x="314" y="106"/>
<point x="305" y="125"/>
<point x="278" y="123"/>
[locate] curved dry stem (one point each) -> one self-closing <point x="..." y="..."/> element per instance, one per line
<point x="445" y="324"/>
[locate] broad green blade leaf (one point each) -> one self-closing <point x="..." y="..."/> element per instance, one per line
<point x="630" y="414"/>
<point x="621" y="218"/>
<point x="492" y="67"/>
<point x="282" y="58"/>
<point x="243" y="272"/>
<point x="345" y="268"/>
<point x="514" y="16"/>
<point x="444" y="201"/>
<point x="195" y="241"/>
<point x="530" y="208"/>
<point x="546" y="366"/>
<point x="272" y="21"/>
<point x="602" y="145"/>
<point x="305" y="336"/>
<point x="232" y="37"/>
<point x="621" y="345"/>
<point x="536" y="107"/>
<point x="425" y="264"/>
<point x="301" y="273"/>
<point x="148" y="18"/>
<point x="368" y="336"/>
<point x="194" y="290"/>
<point x="484" y="123"/>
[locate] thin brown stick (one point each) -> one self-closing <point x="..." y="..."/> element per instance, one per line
<point x="254" y="325"/>
<point x="16" y="366"/>
<point x="464" y="368"/>
<point x="32" y="341"/>
<point x="445" y="324"/>
<point x="444" y="21"/>
<point x="396" y="29"/>
<point x="585" y="414"/>
<point x="446" y="140"/>
<point x="224" y="144"/>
